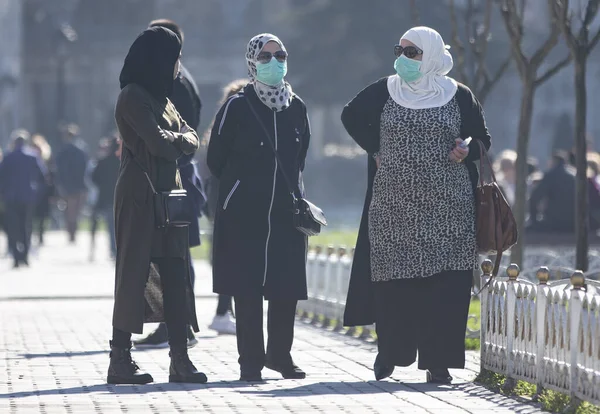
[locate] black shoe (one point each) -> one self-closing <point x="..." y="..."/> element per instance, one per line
<point x="288" y="369"/>
<point x="191" y="338"/>
<point x="251" y="376"/>
<point x="439" y="376"/>
<point x="381" y="370"/>
<point x="182" y="369"/>
<point x="123" y="369"/>
<point x="157" y="339"/>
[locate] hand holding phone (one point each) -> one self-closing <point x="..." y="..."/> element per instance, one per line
<point x="465" y="143"/>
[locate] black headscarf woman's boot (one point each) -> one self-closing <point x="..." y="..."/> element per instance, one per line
<point x="182" y="369"/>
<point x="123" y="369"/>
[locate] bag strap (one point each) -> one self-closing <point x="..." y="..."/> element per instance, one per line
<point x="272" y="145"/>
<point x="483" y="156"/>
<point x="141" y="168"/>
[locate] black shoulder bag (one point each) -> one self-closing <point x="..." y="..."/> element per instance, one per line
<point x="170" y="207"/>
<point x="308" y="218"/>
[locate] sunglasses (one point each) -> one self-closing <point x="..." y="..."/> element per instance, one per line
<point x="265" y="57"/>
<point x="409" y="51"/>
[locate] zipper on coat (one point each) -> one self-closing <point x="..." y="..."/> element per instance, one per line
<point x="235" y="186"/>
<point x="271" y="204"/>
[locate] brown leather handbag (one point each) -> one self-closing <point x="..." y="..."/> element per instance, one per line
<point x="496" y="224"/>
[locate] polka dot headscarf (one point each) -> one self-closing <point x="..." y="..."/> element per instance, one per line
<point x="276" y="97"/>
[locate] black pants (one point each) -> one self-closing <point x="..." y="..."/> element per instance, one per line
<point x="224" y="305"/>
<point x="173" y="279"/>
<point x="250" y="339"/>
<point x="19" y="224"/>
<point x="428" y="315"/>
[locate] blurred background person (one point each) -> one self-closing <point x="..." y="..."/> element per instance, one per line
<point x="186" y="99"/>
<point x="48" y="192"/>
<point x="223" y="321"/>
<point x="71" y="165"/>
<point x="505" y="170"/>
<point x="551" y="205"/>
<point x="21" y="180"/>
<point x="104" y="177"/>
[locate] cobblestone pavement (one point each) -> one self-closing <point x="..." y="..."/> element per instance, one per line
<point x="53" y="358"/>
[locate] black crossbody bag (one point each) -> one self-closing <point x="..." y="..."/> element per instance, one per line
<point x="170" y="207"/>
<point x="308" y="218"/>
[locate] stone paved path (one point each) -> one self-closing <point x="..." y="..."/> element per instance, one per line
<point x="54" y="330"/>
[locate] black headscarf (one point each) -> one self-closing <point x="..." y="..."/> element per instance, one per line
<point x="151" y="61"/>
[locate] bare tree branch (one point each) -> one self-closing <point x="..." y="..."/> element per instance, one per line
<point x="513" y="23"/>
<point x="553" y="71"/>
<point x="559" y="10"/>
<point x="414" y="12"/>
<point x="458" y="45"/>
<point x="542" y="53"/>
<point x="594" y="41"/>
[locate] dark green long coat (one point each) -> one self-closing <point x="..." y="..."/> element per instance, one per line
<point x="143" y="124"/>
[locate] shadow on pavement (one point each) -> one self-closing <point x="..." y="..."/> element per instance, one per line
<point x="127" y="389"/>
<point x="340" y="388"/>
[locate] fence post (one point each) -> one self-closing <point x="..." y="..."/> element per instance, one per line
<point x="319" y="267"/>
<point x="339" y="291"/>
<point x="304" y="308"/>
<point x="541" y="303"/>
<point x="511" y="300"/>
<point x="575" y="308"/>
<point x="486" y="267"/>
<point x="330" y="272"/>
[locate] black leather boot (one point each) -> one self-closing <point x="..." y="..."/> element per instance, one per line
<point x="439" y="376"/>
<point x="382" y="370"/>
<point x="286" y="368"/>
<point x="123" y="369"/>
<point x="182" y="369"/>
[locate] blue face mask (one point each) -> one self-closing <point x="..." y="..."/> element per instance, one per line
<point x="271" y="73"/>
<point x="408" y="69"/>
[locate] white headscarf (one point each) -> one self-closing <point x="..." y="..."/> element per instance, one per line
<point x="277" y="97"/>
<point x="434" y="89"/>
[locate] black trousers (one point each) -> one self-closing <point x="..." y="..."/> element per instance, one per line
<point x="19" y="225"/>
<point x="428" y="315"/>
<point x="172" y="277"/>
<point x="281" y="317"/>
<point x="224" y="305"/>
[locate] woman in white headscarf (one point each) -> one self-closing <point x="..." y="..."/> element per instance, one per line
<point x="257" y="251"/>
<point x="416" y="250"/>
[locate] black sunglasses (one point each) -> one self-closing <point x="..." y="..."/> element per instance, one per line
<point x="409" y="51"/>
<point x="265" y="57"/>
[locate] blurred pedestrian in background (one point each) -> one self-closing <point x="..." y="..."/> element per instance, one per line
<point x="153" y="281"/>
<point x="186" y="98"/>
<point x="71" y="165"/>
<point x="21" y="182"/>
<point x="48" y="193"/>
<point x="416" y="250"/>
<point x="258" y="254"/>
<point x="506" y="174"/>
<point x="104" y="177"/>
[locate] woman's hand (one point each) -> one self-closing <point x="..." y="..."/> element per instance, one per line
<point x="378" y="160"/>
<point x="458" y="154"/>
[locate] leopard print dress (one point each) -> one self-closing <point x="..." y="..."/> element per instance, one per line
<point x="422" y="213"/>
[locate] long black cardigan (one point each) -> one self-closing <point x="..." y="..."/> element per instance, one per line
<point x="361" y="118"/>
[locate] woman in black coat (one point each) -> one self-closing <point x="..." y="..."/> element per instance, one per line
<point x="416" y="248"/>
<point x="152" y="274"/>
<point x="257" y="252"/>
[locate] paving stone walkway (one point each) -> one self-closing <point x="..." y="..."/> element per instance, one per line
<point x="54" y="331"/>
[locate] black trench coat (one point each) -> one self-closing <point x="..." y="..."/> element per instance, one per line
<point x="256" y="249"/>
<point x="138" y="292"/>
<point x="361" y="118"/>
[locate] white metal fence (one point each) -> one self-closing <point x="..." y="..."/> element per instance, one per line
<point x="544" y="332"/>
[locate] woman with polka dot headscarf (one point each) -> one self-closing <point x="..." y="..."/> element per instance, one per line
<point x="257" y="252"/>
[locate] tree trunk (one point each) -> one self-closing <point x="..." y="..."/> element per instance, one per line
<point x="520" y="207"/>
<point x="581" y="198"/>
